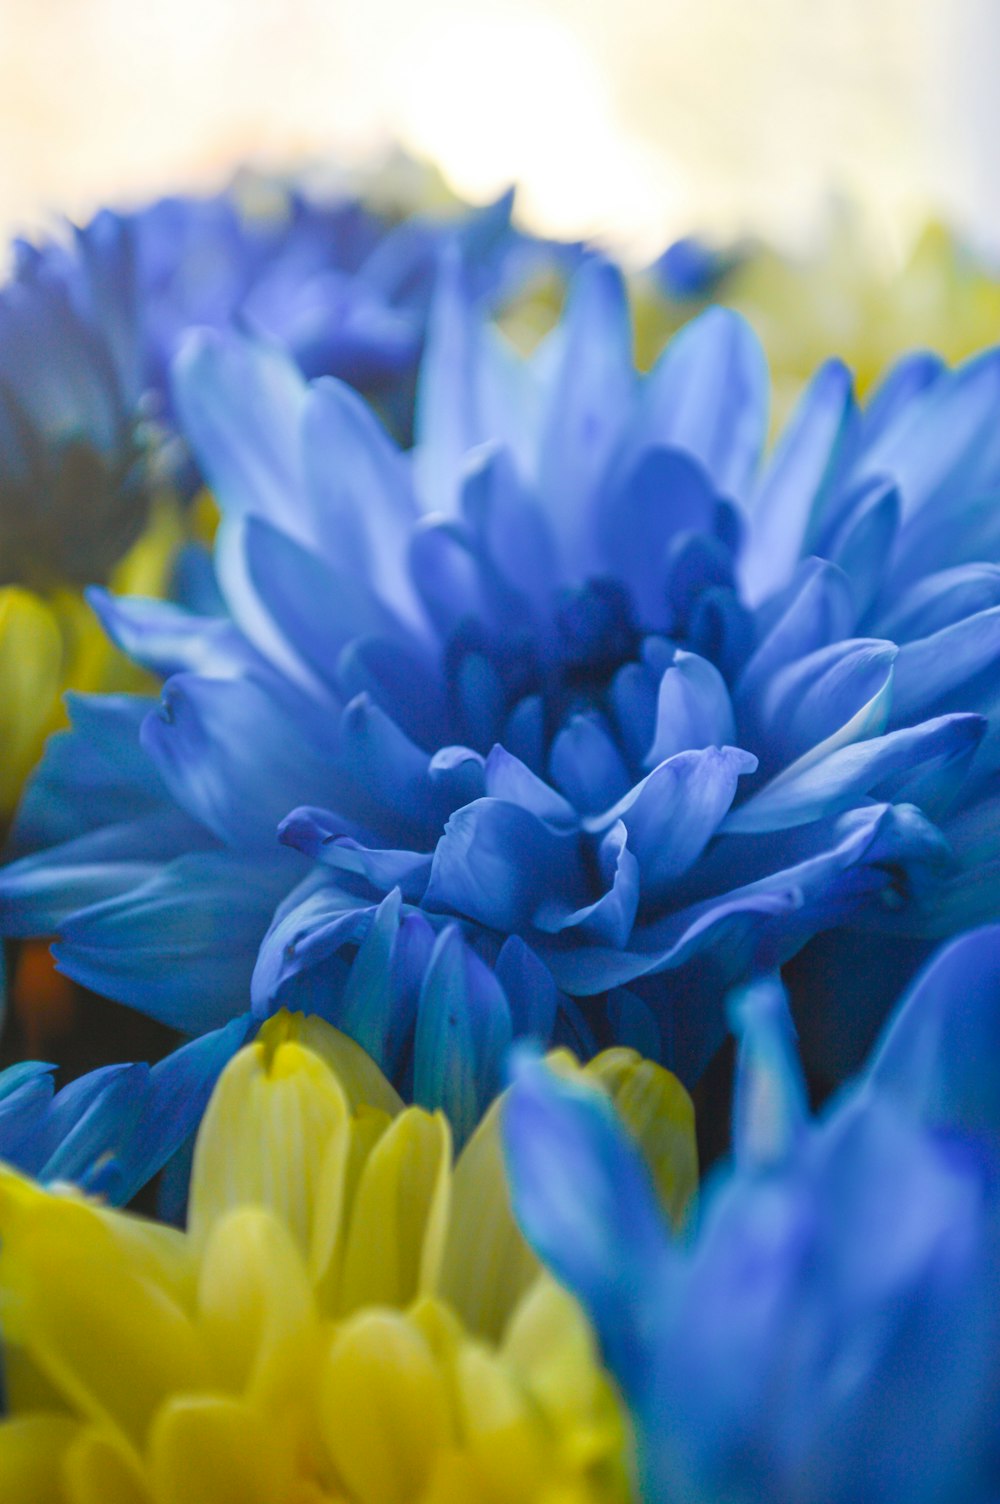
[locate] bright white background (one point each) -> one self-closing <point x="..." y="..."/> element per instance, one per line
<point x="635" y="119"/>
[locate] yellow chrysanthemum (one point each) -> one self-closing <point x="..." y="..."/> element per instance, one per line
<point x="348" y="1317"/>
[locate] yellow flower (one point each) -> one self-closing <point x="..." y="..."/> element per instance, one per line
<point x="53" y="643"/>
<point x="348" y="1317"/>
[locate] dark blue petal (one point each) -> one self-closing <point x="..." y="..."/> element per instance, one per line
<point x="496" y="862"/>
<point x="463" y="1031"/>
<point x="609" y="918"/>
<point x="531" y="994"/>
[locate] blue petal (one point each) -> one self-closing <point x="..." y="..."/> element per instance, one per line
<point x="371" y="1007"/>
<point x="809" y="790"/>
<point x="311" y="924"/>
<point x="586" y="764"/>
<point x="447" y="417"/>
<point x="88" y="1116"/>
<point x="360" y="495"/>
<point x="317" y="833"/>
<point x="496" y="862"/>
<point x="224" y="749"/>
<point x="941" y="439"/>
<point x="931" y="667"/>
<point x="241" y="405"/>
<point x="463" y="1031"/>
<point x="693" y="709"/>
<point x="506" y="777"/>
<point x="673" y="813"/>
<point x="665" y="496"/>
<point x="92" y="775"/>
<point x="590" y="401"/>
<point x="939" y="1057"/>
<point x="178" y="1091"/>
<point x="169" y="640"/>
<point x="864" y="541"/>
<point x="180" y="947"/>
<point x="791" y="491"/>
<point x="610" y="917"/>
<point x="837" y="694"/>
<point x="584" y="1200"/>
<point x="707" y="394"/>
<point x="941" y="600"/>
<point x="770" y="1110"/>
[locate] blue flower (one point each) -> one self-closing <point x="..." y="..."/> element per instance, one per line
<point x="111" y="1130"/>
<point x="78" y="463"/>
<point x="346" y="290"/>
<point x="830" y="1331"/>
<point x="563" y="721"/>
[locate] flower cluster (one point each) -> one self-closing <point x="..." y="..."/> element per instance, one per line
<point x="521" y="700"/>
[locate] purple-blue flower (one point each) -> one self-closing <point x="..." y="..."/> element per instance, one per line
<point x="830" y="1329"/>
<point x="570" y="718"/>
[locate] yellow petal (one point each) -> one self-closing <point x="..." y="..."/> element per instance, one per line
<point x="660" y="1115"/>
<point x="399" y="1215"/>
<point x="549" y="1343"/>
<point x="501" y="1431"/>
<point x="32" y="1449"/>
<point x="95" y="1320"/>
<point x="214" y="1450"/>
<point x="147" y="567"/>
<point x="336" y="1190"/>
<point x="266" y="1138"/>
<point x="99" y="1470"/>
<point x="253" y="1294"/>
<point x="384" y="1411"/>
<point x="487" y="1265"/>
<point x="362" y="1081"/>
<point x="31" y="657"/>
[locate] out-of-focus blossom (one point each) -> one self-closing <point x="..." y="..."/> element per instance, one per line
<point x="831" y="1330"/>
<point x="89" y="323"/>
<point x="83" y="493"/>
<point x="840" y="299"/>
<point x="349" y="1317"/>
<point x="570" y="719"/>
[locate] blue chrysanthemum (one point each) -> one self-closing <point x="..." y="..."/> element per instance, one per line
<point x="78" y="456"/>
<point x="568" y="720"/>
<point x="830" y="1331"/>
